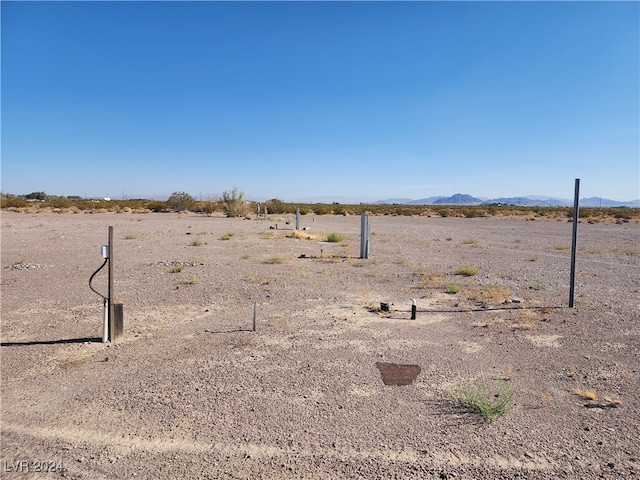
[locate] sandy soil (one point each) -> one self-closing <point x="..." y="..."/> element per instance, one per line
<point x="192" y="392"/>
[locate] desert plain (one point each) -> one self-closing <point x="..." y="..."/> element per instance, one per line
<point x="192" y="392"/>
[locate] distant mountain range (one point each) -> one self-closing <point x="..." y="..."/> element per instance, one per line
<point x="533" y="201"/>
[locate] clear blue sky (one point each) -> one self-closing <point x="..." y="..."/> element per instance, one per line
<point x="299" y="100"/>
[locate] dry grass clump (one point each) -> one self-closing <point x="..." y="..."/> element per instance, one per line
<point x="300" y="235"/>
<point x="593" y="396"/>
<point x="494" y="292"/>
<point x="467" y="271"/>
<point x="586" y="394"/>
<point x="430" y="278"/>
<point x="524" y="321"/>
<point x="274" y="260"/>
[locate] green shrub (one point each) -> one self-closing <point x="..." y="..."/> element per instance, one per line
<point x="467" y="271"/>
<point x="227" y="236"/>
<point x="321" y="209"/>
<point x="477" y="398"/>
<point x="181" y="201"/>
<point x="452" y="288"/>
<point x="157" y="206"/>
<point x="334" y="237"/>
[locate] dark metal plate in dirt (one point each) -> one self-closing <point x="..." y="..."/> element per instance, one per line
<point x="394" y="374"/>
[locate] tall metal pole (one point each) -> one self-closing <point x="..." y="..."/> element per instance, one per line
<point x="364" y="236"/>
<point x="110" y="287"/>
<point x="574" y="242"/>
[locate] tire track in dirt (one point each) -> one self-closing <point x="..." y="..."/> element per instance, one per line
<point x="126" y="444"/>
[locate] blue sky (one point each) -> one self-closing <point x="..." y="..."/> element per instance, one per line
<point x="352" y="101"/>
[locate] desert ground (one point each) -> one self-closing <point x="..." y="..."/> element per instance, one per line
<point x="191" y="392"/>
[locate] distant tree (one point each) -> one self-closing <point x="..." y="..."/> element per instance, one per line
<point x="36" y="196"/>
<point x="181" y="201"/>
<point x="234" y="204"/>
<point x="275" y="205"/>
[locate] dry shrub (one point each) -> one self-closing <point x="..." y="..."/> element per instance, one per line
<point x="489" y="293"/>
<point x="524" y="322"/>
<point x="430" y="278"/>
<point x="586" y="394"/>
<point x="300" y="235"/>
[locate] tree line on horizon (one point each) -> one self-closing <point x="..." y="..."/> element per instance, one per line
<point x="233" y="203"/>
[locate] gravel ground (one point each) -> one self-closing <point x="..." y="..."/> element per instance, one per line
<point x="192" y="392"/>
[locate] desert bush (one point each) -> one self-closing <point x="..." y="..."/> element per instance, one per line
<point x="334" y="237"/>
<point x="476" y="397"/>
<point x="181" y="201"/>
<point x="322" y="209"/>
<point x="177" y="269"/>
<point x="60" y="202"/>
<point x="473" y="212"/>
<point x="275" y="205"/>
<point x="234" y="204"/>
<point x="227" y="236"/>
<point x="209" y="207"/>
<point x="157" y="206"/>
<point x="341" y="210"/>
<point x="13" y="202"/>
<point x="452" y="288"/>
<point x="196" y="243"/>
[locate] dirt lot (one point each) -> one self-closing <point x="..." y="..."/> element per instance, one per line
<point x="192" y="392"/>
